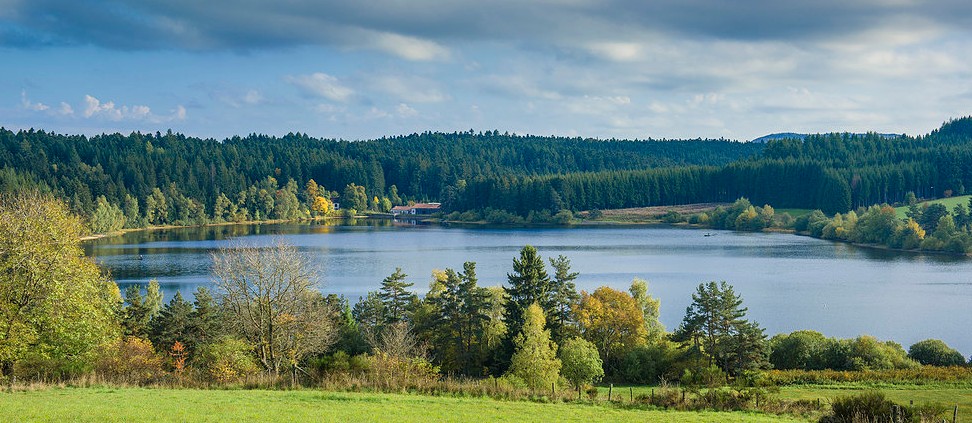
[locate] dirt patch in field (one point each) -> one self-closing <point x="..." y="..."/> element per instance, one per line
<point x="655" y="212"/>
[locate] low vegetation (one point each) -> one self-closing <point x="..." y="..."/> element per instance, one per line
<point x="267" y="326"/>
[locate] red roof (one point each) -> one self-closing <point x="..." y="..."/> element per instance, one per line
<point x="426" y="206"/>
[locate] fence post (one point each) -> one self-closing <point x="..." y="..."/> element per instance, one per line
<point x="553" y="391"/>
<point x="630" y="394"/>
<point x="955" y="414"/>
<point x="652" y="396"/>
<point x="610" y="389"/>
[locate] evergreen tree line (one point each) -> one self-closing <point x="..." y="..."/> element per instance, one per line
<point x="831" y="172"/>
<point x="127" y="169"/>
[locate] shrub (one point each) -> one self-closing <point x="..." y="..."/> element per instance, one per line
<point x="672" y="216"/>
<point x="131" y="360"/>
<point x="799" y="350"/>
<point x="646" y="364"/>
<point x="868" y="353"/>
<point x="871" y="406"/>
<point x="228" y="360"/>
<point x="935" y="352"/>
<point x="710" y="376"/>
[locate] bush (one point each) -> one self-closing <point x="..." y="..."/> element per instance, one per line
<point x="799" y="350"/>
<point x="873" y="406"/>
<point x="710" y="376"/>
<point x="228" y="360"/>
<point x="645" y="365"/>
<point x="131" y="360"/>
<point x="935" y="352"/>
<point x="673" y="216"/>
<point x="868" y="353"/>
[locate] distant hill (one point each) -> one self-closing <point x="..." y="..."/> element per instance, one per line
<point x="795" y="136"/>
<point x="779" y="136"/>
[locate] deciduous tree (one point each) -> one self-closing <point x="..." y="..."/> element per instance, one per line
<point x="535" y="359"/>
<point x="270" y="297"/>
<point x="56" y="307"/>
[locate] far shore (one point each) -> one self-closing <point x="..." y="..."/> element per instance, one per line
<point x="637" y="216"/>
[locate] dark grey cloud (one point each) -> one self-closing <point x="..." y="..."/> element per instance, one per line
<point x="256" y="24"/>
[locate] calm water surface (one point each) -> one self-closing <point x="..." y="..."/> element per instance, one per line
<point x="788" y="282"/>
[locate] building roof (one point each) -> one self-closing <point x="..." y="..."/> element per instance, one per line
<point x="426" y="205"/>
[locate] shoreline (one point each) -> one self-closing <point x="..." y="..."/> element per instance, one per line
<point x="481" y="223"/>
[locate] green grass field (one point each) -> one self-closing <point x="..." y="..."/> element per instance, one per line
<point x="186" y="405"/>
<point x="949" y="396"/>
<point x="950" y="203"/>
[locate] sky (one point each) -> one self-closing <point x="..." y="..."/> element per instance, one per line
<point x="592" y="68"/>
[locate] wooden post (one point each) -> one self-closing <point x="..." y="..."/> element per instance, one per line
<point x="683" y="395"/>
<point x="652" y="396"/>
<point x="955" y="414"/>
<point x="553" y="390"/>
<point x="610" y="389"/>
<point x="630" y="394"/>
<point x="578" y="393"/>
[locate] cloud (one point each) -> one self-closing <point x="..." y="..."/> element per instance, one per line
<point x="409" y="48"/>
<point x="405" y="110"/>
<point x="27" y="104"/>
<point x="424" y="29"/>
<point x="96" y="109"/>
<point x="321" y="85"/>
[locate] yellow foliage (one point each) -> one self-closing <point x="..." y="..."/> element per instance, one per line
<point x="322" y="206"/>
<point x="612" y="320"/>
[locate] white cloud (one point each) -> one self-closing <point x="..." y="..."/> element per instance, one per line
<point x="617" y="51"/>
<point x="405" y="110"/>
<point x="95" y="108"/>
<point x="66" y="109"/>
<point x="320" y="84"/>
<point x="409" y="48"/>
<point x="27" y="104"/>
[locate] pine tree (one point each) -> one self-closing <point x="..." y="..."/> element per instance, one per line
<point x="172" y="324"/>
<point x="561" y="302"/>
<point x="528" y="284"/>
<point x="204" y="320"/>
<point x="716" y="330"/>
<point x="397" y="298"/>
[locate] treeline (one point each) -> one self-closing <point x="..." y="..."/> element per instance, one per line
<point x="831" y="172"/>
<point x="926" y="227"/>
<point x="127" y="169"/>
<point x="62" y="318"/>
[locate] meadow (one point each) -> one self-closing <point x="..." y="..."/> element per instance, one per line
<point x="166" y="405"/>
<point x="949" y="203"/>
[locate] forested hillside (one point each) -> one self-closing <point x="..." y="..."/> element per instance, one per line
<point x="191" y="174"/>
<point x="143" y="179"/>
<point x="831" y="172"/>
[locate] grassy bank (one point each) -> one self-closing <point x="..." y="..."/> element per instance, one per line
<point x="949" y="203"/>
<point x="158" y="405"/>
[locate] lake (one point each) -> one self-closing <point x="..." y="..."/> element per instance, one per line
<point x="788" y="282"/>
